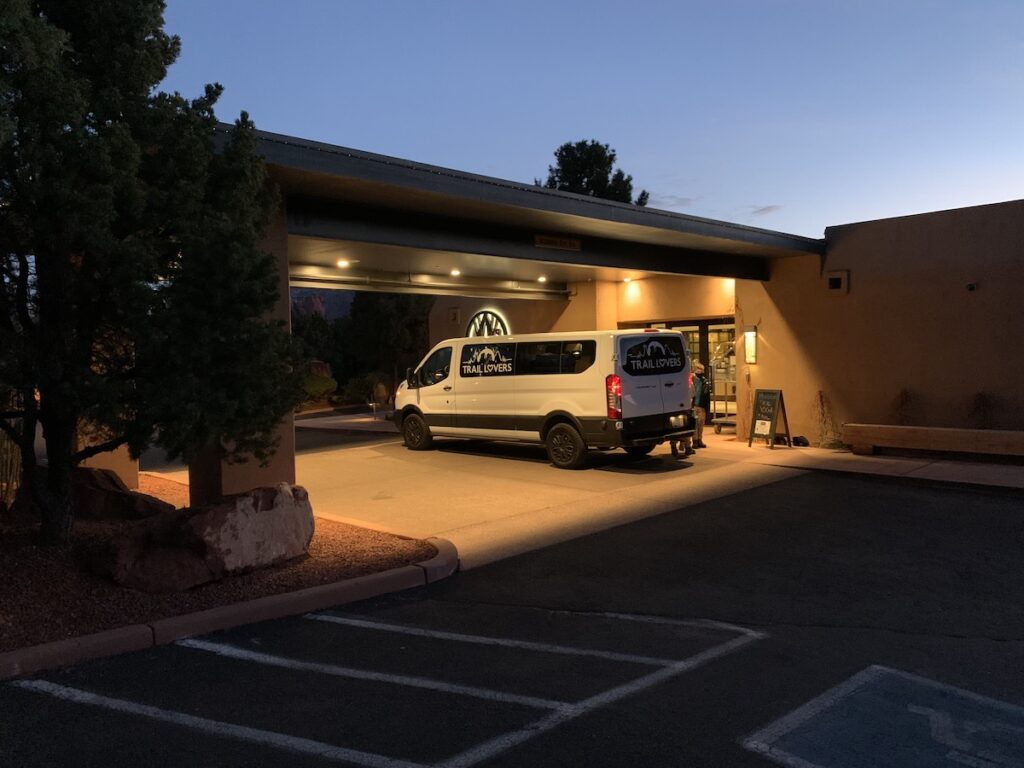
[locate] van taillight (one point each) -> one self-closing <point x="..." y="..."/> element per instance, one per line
<point x="613" y="386"/>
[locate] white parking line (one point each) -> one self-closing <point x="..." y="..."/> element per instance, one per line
<point x="694" y="623"/>
<point x="218" y="728"/>
<point x="505" y="742"/>
<point x="234" y="652"/>
<point x="562" y="712"/>
<point x="484" y="640"/>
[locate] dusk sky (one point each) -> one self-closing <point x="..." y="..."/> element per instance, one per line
<point x="790" y="115"/>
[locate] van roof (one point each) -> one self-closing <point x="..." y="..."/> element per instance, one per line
<point x="562" y="335"/>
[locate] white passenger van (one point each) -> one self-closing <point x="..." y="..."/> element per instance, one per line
<point x="567" y="391"/>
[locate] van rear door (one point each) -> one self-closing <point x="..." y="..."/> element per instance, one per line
<point x="654" y="373"/>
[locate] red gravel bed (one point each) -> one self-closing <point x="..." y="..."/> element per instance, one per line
<point x="50" y="594"/>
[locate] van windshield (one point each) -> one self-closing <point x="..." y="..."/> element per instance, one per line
<point x="652" y="355"/>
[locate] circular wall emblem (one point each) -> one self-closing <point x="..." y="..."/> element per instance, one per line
<point x="487" y="323"/>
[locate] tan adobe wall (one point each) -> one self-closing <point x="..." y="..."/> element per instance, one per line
<point x="450" y="315"/>
<point x="665" y="297"/>
<point x="909" y="343"/>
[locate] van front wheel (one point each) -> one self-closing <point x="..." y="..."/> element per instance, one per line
<point x="566" y="448"/>
<point x="416" y="433"/>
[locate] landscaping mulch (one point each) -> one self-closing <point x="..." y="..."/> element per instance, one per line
<point x="51" y="594"/>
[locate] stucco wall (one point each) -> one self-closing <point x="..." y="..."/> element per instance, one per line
<point x="665" y="297"/>
<point x="450" y="314"/>
<point x="592" y="306"/>
<point x="909" y="343"/>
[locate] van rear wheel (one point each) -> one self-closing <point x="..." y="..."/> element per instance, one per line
<point x="566" y="448"/>
<point x="416" y="433"/>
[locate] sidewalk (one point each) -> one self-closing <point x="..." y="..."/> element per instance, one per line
<point x="940" y="469"/>
<point x="350" y="422"/>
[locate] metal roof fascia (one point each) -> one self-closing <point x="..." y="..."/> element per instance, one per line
<point x="319" y="157"/>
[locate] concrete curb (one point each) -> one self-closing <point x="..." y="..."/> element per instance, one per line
<point x="35" y="658"/>
<point x="443" y="564"/>
<point x="137" y="637"/>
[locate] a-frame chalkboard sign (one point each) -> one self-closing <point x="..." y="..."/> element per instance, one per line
<point x="768" y="406"/>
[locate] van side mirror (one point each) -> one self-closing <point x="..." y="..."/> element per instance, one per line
<point x="410" y="379"/>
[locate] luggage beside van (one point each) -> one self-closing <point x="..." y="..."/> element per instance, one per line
<point x="567" y="391"/>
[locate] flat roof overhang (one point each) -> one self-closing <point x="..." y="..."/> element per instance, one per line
<point x="404" y="223"/>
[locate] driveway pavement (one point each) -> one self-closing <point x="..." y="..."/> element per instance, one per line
<point x="821" y="621"/>
<point x="496" y="500"/>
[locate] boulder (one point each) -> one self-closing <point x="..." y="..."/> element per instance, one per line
<point x="99" y="494"/>
<point x="189" y="547"/>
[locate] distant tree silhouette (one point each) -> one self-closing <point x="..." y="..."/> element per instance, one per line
<point x="586" y="168"/>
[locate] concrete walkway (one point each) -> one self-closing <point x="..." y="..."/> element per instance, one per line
<point x="495" y="500"/>
<point x="940" y="469"/>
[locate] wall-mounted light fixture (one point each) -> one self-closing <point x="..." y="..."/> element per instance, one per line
<point x="750" y="344"/>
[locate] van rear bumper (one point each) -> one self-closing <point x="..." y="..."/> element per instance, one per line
<point x="640" y="431"/>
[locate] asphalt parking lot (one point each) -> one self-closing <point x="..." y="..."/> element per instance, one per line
<point x="817" y="621"/>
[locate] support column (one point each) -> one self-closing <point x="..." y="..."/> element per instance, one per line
<point x="593" y="305"/>
<point x="210" y="478"/>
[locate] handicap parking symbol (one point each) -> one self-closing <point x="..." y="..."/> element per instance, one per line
<point x="882" y="718"/>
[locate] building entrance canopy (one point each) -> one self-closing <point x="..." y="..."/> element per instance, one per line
<point x="358" y="220"/>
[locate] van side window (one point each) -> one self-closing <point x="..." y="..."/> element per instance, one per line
<point x="536" y="358"/>
<point x="577" y="356"/>
<point x="436" y="368"/>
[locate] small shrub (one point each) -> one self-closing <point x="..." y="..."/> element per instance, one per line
<point x="372" y="388"/>
<point x="318" y="387"/>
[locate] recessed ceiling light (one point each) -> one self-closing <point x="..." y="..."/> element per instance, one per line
<point x="542" y="279"/>
<point x="456" y="273"/>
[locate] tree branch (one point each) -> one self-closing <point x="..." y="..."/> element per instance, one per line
<point x="93" y="450"/>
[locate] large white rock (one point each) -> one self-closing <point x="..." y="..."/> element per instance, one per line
<point x="189" y="547"/>
<point x="255" y="529"/>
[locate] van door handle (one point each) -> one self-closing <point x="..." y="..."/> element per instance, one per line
<point x="670" y="383"/>
<point x="448" y="388"/>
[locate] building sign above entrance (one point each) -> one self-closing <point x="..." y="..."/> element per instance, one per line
<point x="487" y="323"/>
<point x="559" y="243"/>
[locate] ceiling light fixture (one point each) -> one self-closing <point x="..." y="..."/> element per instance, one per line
<point x="627" y="279"/>
<point x="455" y="273"/>
<point x="542" y="279"/>
<point x="343" y="263"/>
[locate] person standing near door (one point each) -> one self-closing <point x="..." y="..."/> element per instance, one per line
<point x="701" y="403"/>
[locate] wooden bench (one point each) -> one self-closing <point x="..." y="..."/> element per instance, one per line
<point x="865" y="438"/>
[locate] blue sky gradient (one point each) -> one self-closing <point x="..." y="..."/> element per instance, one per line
<point x="785" y="114"/>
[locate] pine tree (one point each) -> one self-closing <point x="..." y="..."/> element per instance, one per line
<point x="134" y="295"/>
<point x="586" y="168"/>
